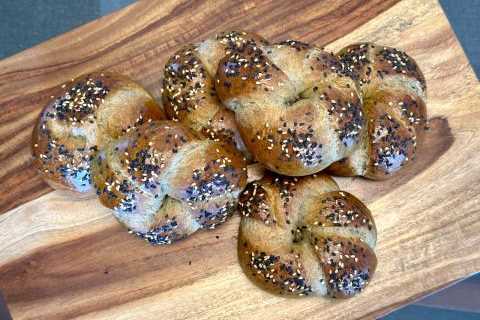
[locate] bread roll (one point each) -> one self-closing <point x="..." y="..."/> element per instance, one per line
<point x="296" y="111"/>
<point x="93" y="109"/>
<point x="394" y="93"/>
<point x="164" y="182"/>
<point x="303" y="236"/>
<point x="189" y="88"/>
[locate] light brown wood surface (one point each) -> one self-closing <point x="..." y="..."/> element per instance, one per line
<point x="62" y="259"/>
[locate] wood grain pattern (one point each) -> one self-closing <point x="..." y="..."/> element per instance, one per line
<point x="62" y="259"/>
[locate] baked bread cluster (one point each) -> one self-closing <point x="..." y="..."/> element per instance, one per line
<point x="106" y="136"/>
<point x="287" y="109"/>
<point x="300" y="109"/>
<point x="295" y="110"/>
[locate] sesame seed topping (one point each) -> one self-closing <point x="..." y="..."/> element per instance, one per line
<point x="79" y="102"/>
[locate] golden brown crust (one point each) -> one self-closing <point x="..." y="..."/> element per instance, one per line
<point x="368" y="62"/>
<point x="348" y="264"/>
<point x="247" y="73"/>
<point x="394" y="91"/>
<point x="255" y="202"/>
<point x="340" y="209"/>
<point x="164" y="181"/>
<point x="280" y="274"/>
<point x="189" y="91"/>
<point x="302" y="236"/>
<point x="187" y="88"/>
<point x="222" y="127"/>
<point x="296" y="111"/>
<point x="94" y="109"/>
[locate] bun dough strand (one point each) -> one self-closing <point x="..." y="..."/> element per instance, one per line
<point x="189" y="88"/>
<point x="296" y="111"/>
<point x="164" y="182"/>
<point x="302" y="236"/>
<point x="94" y="109"/>
<point x="394" y="93"/>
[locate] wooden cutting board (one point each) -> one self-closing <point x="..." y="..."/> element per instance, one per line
<point x="61" y="258"/>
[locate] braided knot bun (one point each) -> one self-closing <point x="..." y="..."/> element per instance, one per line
<point x="164" y="182"/>
<point x="394" y="93"/>
<point x="302" y="236"/>
<point x="295" y="110"/>
<point x="189" y="88"/>
<point x="93" y="110"/>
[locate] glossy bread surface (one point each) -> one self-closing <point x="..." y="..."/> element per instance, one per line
<point x="93" y="110"/>
<point x="394" y="102"/>
<point x="302" y="236"/>
<point x="296" y="111"/>
<point x="164" y="182"/>
<point x="189" y="94"/>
